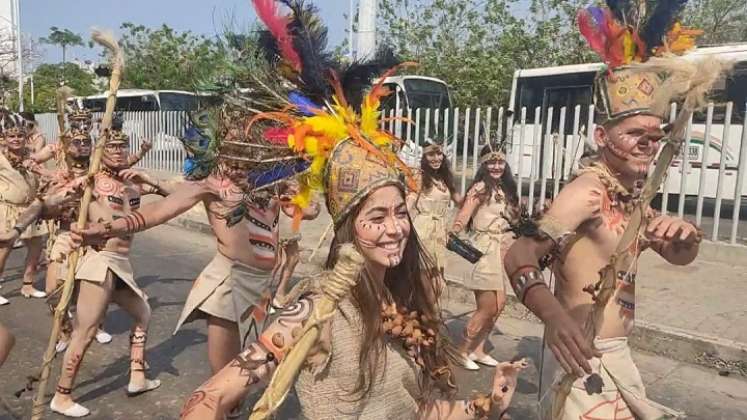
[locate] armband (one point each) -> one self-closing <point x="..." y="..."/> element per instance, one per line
<point x="525" y="278"/>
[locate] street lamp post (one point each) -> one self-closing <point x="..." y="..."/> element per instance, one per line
<point x="16" y="18"/>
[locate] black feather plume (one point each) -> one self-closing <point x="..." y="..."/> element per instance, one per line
<point x="619" y="9"/>
<point x="357" y="76"/>
<point x="310" y="41"/>
<point x="659" y="21"/>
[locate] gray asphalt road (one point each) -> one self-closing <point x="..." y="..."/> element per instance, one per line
<point x="167" y="259"/>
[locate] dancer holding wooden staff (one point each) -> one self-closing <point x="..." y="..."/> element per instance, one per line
<point x="60" y="312"/>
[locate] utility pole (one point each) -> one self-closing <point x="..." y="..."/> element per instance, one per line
<point x="350" y="30"/>
<point x="16" y="18"/>
<point x="366" y="29"/>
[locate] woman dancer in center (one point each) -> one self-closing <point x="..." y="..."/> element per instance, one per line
<point x="490" y="202"/>
<point x="429" y="207"/>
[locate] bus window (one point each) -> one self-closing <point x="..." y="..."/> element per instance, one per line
<point x="389" y="102"/>
<point x="137" y="103"/>
<point x="568" y="97"/>
<point x="426" y="94"/>
<point x="95" y="105"/>
<point x="556" y="90"/>
<point x="174" y="101"/>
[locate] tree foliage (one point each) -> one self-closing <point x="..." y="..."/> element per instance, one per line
<point x="163" y="58"/>
<point x="723" y="21"/>
<point x="475" y="46"/>
<point x="64" y="38"/>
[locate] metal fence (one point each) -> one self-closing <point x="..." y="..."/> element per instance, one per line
<point x="543" y="148"/>
<point x="162" y="128"/>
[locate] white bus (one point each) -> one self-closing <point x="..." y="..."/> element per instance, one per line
<point x="146" y="100"/>
<point x="540" y="94"/>
<point x="410" y="93"/>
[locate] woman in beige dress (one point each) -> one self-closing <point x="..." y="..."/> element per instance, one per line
<point x="490" y="201"/>
<point x="429" y="207"/>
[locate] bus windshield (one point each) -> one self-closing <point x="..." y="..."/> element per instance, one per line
<point x="175" y="101"/>
<point x="124" y="103"/>
<point x="423" y="93"/>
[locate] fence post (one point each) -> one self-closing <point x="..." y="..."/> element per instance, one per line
<point x="704" y="166"/>
<point x="740" y="183"/>
<point x="721" y="171"/>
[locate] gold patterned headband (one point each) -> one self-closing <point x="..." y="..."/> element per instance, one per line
<point x="491" y="156"/>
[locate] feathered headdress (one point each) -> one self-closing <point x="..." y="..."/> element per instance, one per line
<point x="319" y="113"/>
<point x="629" y="31"/>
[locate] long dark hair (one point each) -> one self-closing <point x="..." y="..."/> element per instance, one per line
<point x="443" y="174"/>
<point x="412" y="284"/>
<point x="505" y="185"/>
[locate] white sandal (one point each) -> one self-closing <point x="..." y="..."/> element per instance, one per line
<point x="76" y="410"/>
<point x="150" y="385"/>
<point x="483" y="360"/>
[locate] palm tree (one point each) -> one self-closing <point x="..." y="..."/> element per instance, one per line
<point x="64" y="38"/>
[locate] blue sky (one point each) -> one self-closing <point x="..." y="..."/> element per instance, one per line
<point x="200" y="16"/>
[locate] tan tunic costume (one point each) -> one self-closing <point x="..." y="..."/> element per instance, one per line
<point x="325" y="391"/>
<point x="489" y="228"/>
<point x="431" y="211"/>
<point x="17" y="191"/>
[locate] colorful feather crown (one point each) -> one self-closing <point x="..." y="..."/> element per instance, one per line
<point x="327" y="104"/>
<point x="628" y="31"/>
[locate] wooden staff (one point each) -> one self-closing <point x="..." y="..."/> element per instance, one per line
<point x="335" y="286"/>
<point x="107" y="41"/>
<point x="321" y="241"/>
<point x="62" y="94"/>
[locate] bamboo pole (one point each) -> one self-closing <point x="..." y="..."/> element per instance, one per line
<point x="108" y="42"/>
<point x="321" y="241"/>
<point x="335" y="286"/>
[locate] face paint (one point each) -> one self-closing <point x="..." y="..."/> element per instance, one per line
<point x="382" y="227"/>
<point x="15" y="142"/>
<point x="115" y="155"/>
<point x="633" y="143"/>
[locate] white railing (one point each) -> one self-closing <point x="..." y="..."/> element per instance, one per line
<point x="162" y="128"/>
<point x="707" y="182"/>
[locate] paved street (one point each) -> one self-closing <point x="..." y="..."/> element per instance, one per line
<point x="167" y="259"/>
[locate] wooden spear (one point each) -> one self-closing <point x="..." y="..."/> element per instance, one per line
<point x="334" y="286"/>
<point x="107" y="41"/>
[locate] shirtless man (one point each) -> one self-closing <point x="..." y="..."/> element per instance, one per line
<point x="581" y="230"/>
<point x="238" y="277"/>
<point x="18" y="189"/>
<point x="105" y="275"/>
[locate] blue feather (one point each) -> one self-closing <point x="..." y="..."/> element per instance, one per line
<point x="305" y="105"/>
<point x="262" y="178"/>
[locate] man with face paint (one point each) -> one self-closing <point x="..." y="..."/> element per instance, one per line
<point x="578" y="236"/>
<point x="19" y="187"/>
<point x="105" y="275"/>
<point x="235" y="282"/>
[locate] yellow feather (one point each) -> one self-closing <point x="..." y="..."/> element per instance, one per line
<point x="312" y="145"/>
<point x="329" y="125"/>
<point x="628" y="47"/>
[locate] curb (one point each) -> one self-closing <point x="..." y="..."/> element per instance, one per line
<point x="725" y="356"/>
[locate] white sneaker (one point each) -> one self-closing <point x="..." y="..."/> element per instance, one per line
<point x="103" y="337"/>
<point x="483" y="360"/>
<point x="467" y="363"/>
<point x="150" y="385"/>
<point x="76" y="410"/>
<point x="3" y="301"/>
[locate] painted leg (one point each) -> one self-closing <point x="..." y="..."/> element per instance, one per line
<point x="93" y="300"/>
<point x="500" y="303"/>
<point x="140" y="312"/>
<point x="504" y="383"/>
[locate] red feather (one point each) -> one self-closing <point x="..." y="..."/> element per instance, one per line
<point x="277" y="135"/>
<point x="278" y="26"/>
<point x="615" y="46"/>
<point x="594" y="36"/>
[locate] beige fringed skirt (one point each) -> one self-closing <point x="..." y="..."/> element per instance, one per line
<point x="225" y="289"/>
<point x="95" y="265"/>
<point x="9" y="214"/>
<point x="431" y="229"/>
<point x="620" y="393"/>
<point x="488" y="273"/>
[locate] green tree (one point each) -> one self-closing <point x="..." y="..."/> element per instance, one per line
<point x="722" y="21"/>
<point x="64" y="38"/>
<point x="164" y="58"/>
<point x="475" y="45"/>
<point x="47" y="80"/>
